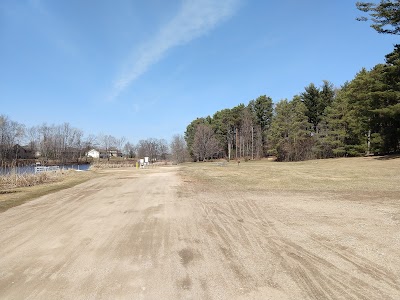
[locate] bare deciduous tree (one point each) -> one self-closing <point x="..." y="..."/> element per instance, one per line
<point x="162" y="149"/>
<point x="89" y="142"/>
<point x="205" y="145"/>
<point x="119" y="142"/>
<point x="107" y="141"/>
<point x="130" y="150"/>
<point x="178" y="149"/>
<point x="11" y="133"/>
<point x="155" y="149"/>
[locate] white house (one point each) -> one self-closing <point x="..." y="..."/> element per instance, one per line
<point x="93" y="153"/>
<point x="112" y="152"/>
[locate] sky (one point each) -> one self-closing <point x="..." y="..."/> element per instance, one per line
<point x="146" y="69"/>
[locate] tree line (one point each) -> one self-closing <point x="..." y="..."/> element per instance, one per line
<point x="361" y="117"/>
<point x="65" y="143"/>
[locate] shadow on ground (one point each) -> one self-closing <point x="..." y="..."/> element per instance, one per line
<point x="388" y="157"/>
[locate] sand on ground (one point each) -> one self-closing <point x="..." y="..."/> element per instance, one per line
<point x="150" y="234"/>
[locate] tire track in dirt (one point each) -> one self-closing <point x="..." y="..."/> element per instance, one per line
<point x="148" y="234"/>
<point x="231" y="221"/>
<point x="104" y="239"/>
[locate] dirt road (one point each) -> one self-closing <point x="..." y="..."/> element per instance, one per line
<point x="152" y="234"/>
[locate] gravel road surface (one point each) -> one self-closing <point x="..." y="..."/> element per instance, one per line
<point x="152" y="234"/>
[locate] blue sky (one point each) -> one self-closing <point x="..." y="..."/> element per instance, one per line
<point x="143" y="69"/>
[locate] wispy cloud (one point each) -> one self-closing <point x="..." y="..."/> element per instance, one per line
<point x="194" y="19"/>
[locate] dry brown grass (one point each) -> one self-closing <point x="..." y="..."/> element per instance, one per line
<point x="18" y="189"/>
<point x="10" y="181"/>
<point x="341" y="175"/>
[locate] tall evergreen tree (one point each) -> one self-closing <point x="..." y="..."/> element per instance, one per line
<point x="359" y="114"/>
<point x="290" y="133"/>
<point x="262" y="108"/>
<point x="326" y="96"/>
<point x="310" y="99"/>
<point x="333" y="135"/>
<point x="386" y="108"/>
<point x="316" y="101"/>
<point x="223" y="124"/>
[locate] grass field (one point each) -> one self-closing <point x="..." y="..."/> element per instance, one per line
<point x="340" y="175"/>
<point x="321" y="229"/>
<point x="353" y="176"/>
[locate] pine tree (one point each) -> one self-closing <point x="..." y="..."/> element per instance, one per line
<point x="386" y="109"/>
<point x="291" y="133"/>
<point x="316" y="100"/>
<point x="223" y="125"/>
<point x="311" y="101"/>
<point x="335" y="122"/>
<point x="263" y="109"/>
<point x="385" y="16"/>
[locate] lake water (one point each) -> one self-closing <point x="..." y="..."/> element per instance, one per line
<point x="31" y="169"/>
